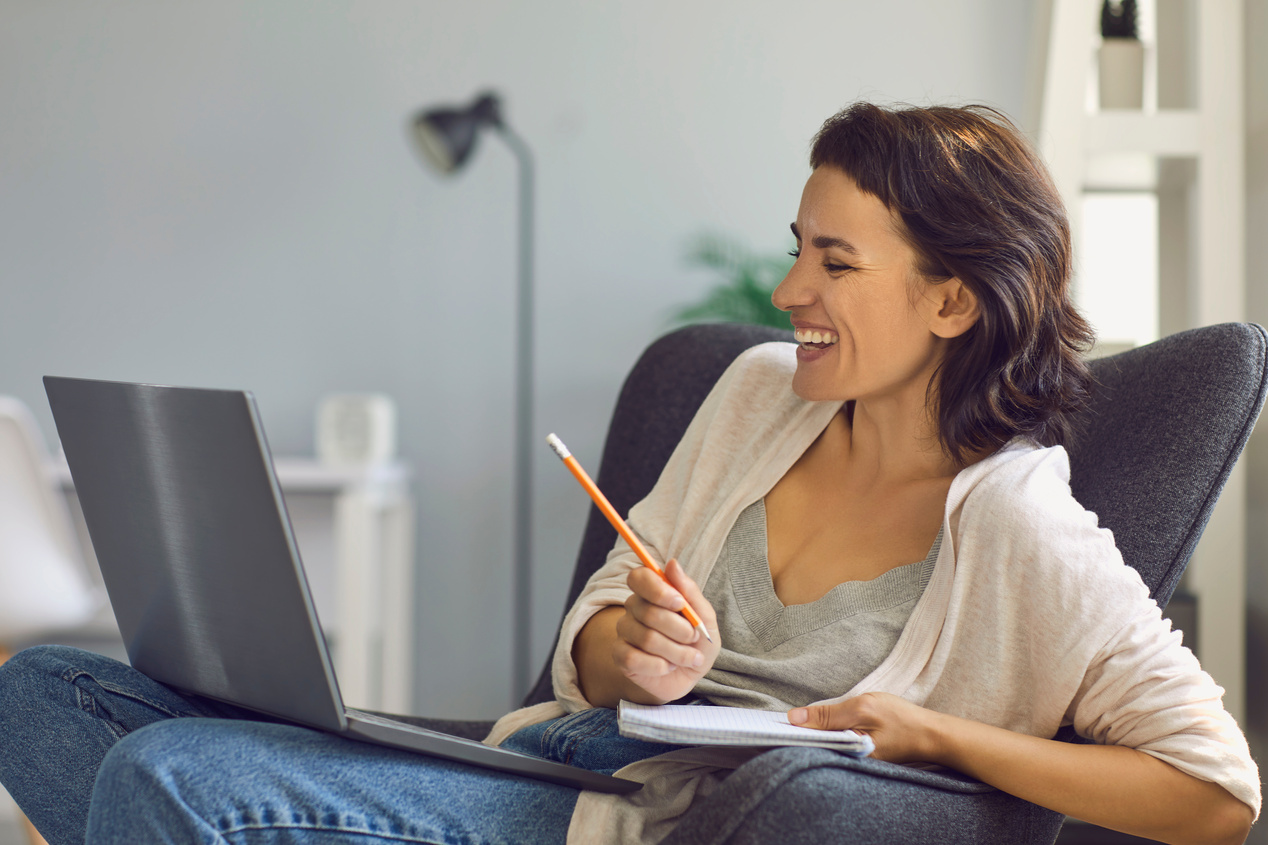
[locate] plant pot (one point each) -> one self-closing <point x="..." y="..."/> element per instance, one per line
<point x="1122" y="73"/>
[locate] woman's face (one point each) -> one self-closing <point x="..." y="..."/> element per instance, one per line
<point x="860" y="310"/>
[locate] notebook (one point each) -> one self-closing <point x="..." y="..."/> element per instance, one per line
<point x="188" y="523"/>
<point x="695" y="724"/>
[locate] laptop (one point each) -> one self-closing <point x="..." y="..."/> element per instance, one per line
<point x="195" y="546"/>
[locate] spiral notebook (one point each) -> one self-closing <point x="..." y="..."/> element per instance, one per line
<point x="695" y="724"/>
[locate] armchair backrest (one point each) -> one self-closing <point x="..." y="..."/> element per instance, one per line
<point x="1167" y="423"/>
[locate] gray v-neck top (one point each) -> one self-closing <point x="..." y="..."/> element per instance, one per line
<point x="775" y="657"/>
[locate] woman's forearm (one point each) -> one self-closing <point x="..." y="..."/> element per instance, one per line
<point x="1111" y="786"/>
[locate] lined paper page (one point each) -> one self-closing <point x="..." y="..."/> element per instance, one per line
<point x="694" y="724"/>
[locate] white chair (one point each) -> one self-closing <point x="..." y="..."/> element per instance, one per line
<point x="44" y="584"/>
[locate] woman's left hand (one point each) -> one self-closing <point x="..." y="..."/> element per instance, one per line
<point x="903" y="732"/>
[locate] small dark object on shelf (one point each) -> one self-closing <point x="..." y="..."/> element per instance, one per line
<point x="1118" y="20"/>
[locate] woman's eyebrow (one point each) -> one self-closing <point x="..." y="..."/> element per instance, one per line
<point x="825" y="242"/>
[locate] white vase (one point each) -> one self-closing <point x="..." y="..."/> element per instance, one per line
<point x="1122" y="73"/>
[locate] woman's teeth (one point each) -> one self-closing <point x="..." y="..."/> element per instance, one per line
<point x="815" y="337"/>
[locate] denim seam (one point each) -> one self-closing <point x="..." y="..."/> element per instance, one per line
<point x="391" y="837"/>
<point x="562" y="725"/>
<point x="587" y="729"/>
<point x="88" y="701"/>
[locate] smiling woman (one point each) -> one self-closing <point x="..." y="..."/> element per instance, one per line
<point x="878" y="520"/>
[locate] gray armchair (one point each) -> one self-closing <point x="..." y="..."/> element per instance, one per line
<point x="1167" y="423"/>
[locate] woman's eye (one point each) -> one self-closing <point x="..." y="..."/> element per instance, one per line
<point x="830" y="266"/>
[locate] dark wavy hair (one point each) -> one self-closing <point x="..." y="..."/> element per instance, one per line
<point x="978" y="205"/>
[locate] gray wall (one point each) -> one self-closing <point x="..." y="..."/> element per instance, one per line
<point x="220" y="194"/>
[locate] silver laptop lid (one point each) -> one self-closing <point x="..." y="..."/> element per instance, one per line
<point x="195" y="546"/>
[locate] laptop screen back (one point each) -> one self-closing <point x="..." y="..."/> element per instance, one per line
<point x="190" y="530"/>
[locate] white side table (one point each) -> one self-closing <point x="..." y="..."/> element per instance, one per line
<point x="355" y="530"/>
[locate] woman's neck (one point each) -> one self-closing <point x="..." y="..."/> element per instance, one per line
<point x="891" y="444"/>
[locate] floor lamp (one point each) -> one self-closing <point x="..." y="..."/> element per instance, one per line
<point x="446" y="137"/>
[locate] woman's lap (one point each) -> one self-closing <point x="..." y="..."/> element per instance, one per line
<point x="67" y="715"/>
<point x="244" y="782"/>
<point x="89" y="744"/>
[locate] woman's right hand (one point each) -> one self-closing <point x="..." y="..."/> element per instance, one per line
<point x="646" y="651"/>
<point x="657" y="648"/>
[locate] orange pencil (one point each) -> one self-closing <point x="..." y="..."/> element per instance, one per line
<point x="605" y="507"/>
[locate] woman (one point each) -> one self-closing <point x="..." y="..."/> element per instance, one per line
<point x="868" y="522"/>
<point x="937" y="349"/>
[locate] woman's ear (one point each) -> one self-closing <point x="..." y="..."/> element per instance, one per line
<point x="958" y="309"/>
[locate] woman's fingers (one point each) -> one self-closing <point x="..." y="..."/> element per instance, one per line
<point x="659" y="632"/>
<point x="657" y="646"/>
<point x="903" y="732"/>
<point x="669" y="622"/>
<point x="823" y="717"/>
<point x="653" y="589"/>
<point x="636" y="662"/>
<point x="691" y="591"/>
<point x="870" y="711"/>
<point x="673" y="592"/>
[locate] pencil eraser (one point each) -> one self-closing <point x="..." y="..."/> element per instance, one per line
<point x="558" y="445"/>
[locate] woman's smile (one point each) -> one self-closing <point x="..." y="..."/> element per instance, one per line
<point x="815" y="338"/>
<point x="814" y="343"/>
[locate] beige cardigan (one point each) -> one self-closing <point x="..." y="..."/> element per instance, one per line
<point x="1031" y="620"/>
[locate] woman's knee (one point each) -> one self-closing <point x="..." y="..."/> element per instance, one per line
<point x="30" y="678"/>
<point x="164" y="755"/>
<point x="148" y="787"/>
<point x="38" y="672"/>
<point x="210" y="757"/>
<point x="44" y="661"/>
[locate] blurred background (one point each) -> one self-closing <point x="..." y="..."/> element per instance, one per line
<point x="225" y="195"/>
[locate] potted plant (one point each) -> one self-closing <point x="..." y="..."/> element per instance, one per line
<point x="747" y="281"/>
<point x="1122" y="57"/>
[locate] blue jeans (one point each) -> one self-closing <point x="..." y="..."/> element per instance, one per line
<point x="94" y="751"/>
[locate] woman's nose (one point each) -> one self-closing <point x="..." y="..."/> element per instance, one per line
<point x="792" y="291"/>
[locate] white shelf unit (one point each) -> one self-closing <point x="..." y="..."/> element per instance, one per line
<point x="354" y="526"/>
<point x="1191" y="131"/>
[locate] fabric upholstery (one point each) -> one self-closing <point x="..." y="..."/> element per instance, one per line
<point x="1167" y="423"/>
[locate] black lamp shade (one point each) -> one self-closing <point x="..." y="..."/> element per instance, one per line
<point x="446" y="136"/>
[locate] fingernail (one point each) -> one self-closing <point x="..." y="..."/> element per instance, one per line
<point x="798" y="716"/>
<point x="698" y="660"/>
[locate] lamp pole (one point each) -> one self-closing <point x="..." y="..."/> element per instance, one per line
<point x="522" y="584"/>
<point x="446" y="137"/>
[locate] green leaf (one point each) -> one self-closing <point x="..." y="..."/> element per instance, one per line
<point x="743" y="295"/>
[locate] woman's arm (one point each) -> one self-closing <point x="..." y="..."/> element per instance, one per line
<point x="646" y="651"/>
<point x="1111" y="786"/>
